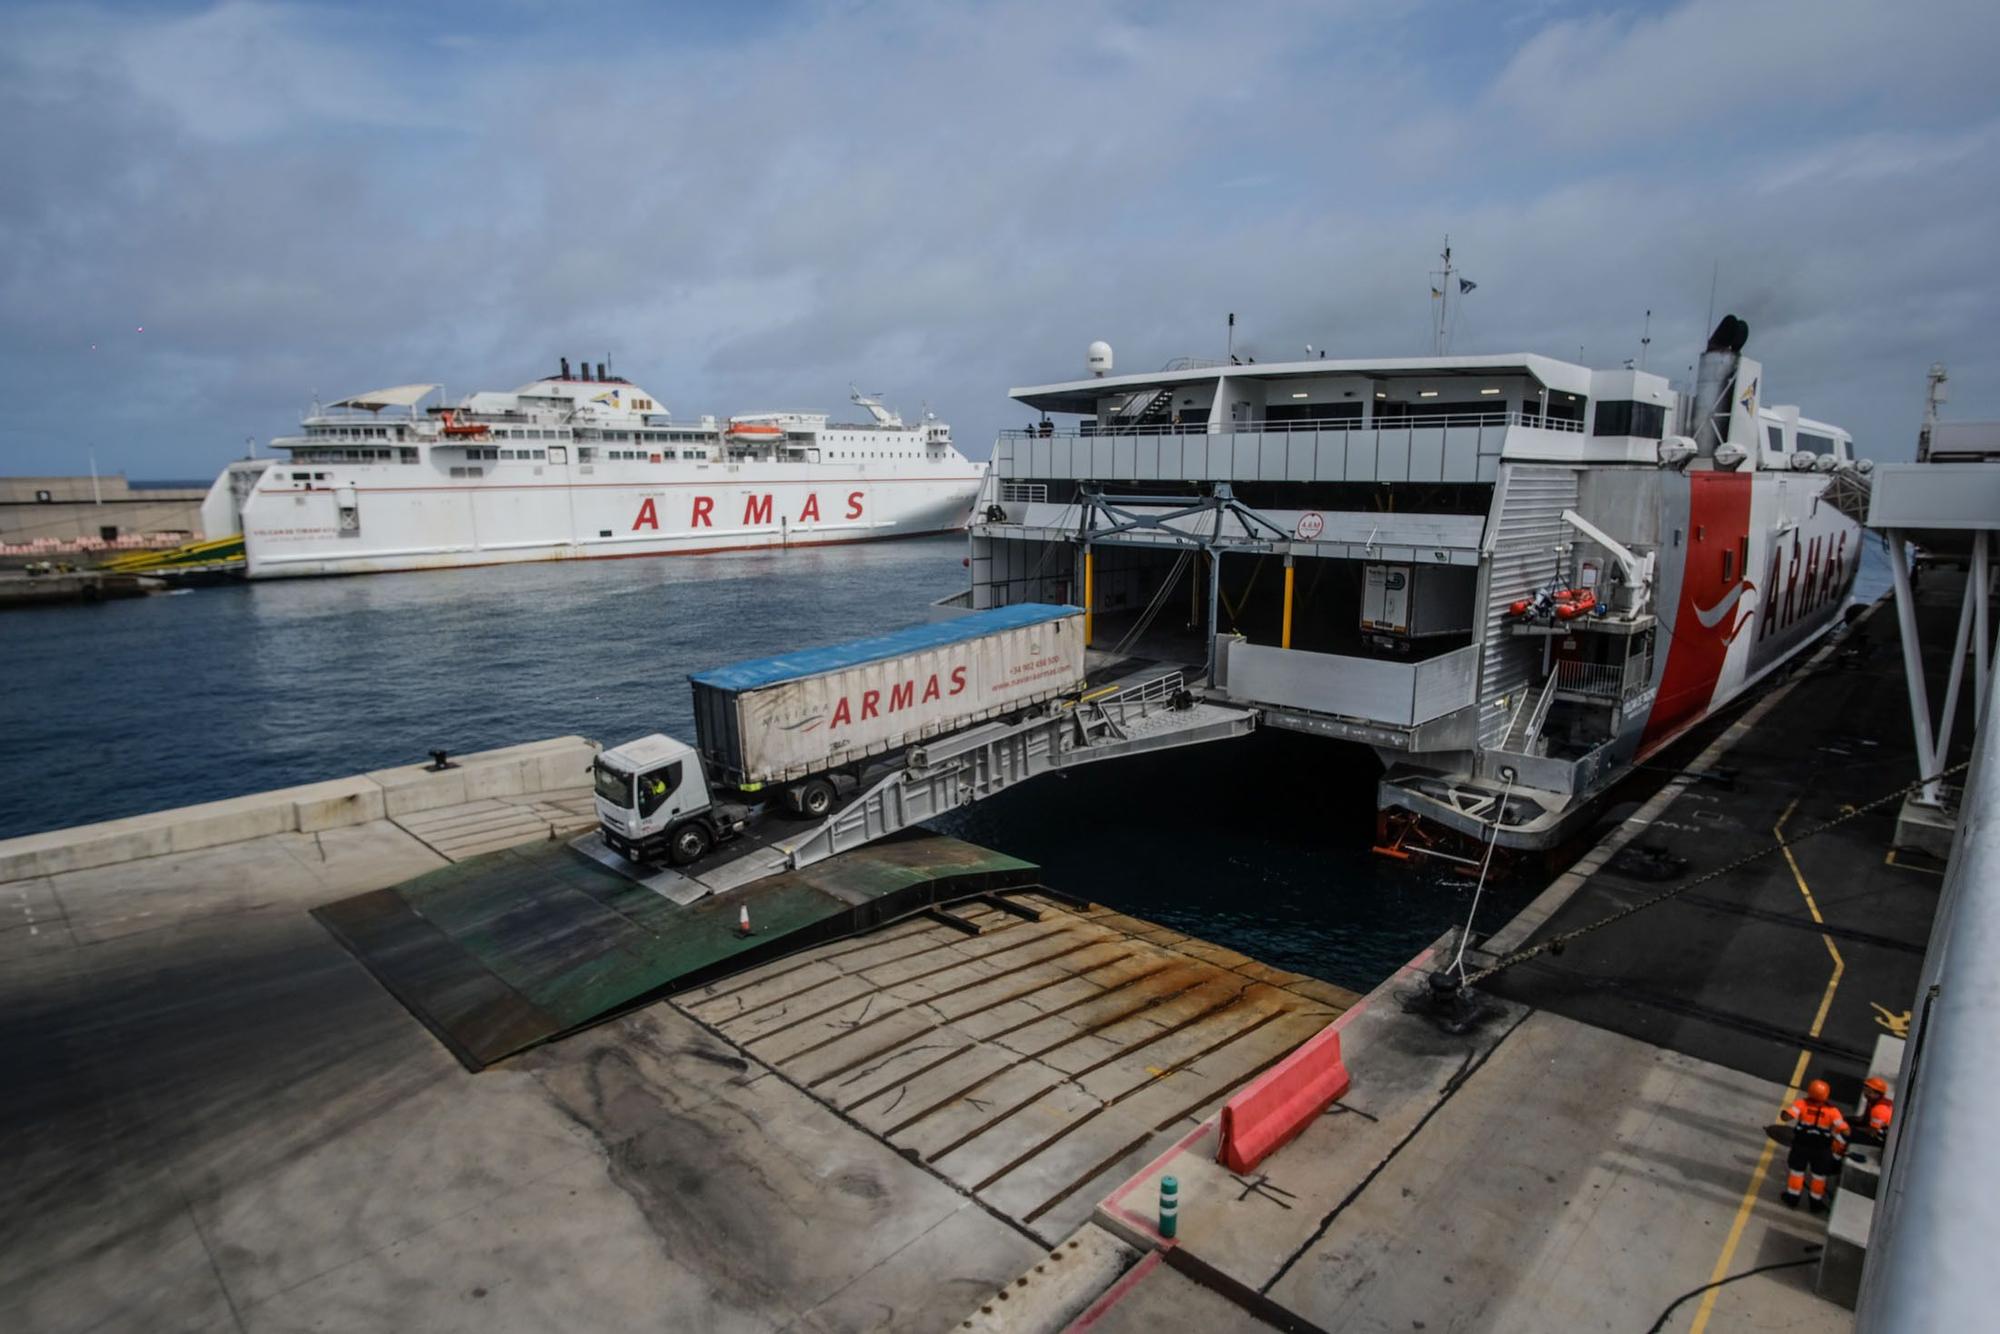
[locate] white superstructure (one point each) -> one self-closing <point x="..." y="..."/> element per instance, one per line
<point x="1512" y="577"/>
<point x="583" y="466"/>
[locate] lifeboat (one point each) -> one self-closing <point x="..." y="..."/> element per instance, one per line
<point x="755" y="433"/>
<point x="1581" y="603"/>
<point x="1564" y="604"/>
<point x="451" y="425"/>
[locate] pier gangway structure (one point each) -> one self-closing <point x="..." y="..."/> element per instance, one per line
<point x="1132" y="716"/>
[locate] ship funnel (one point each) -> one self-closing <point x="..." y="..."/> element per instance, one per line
<point x="1715" y="386"/>
<point x="583" y="370"/>
<point x="600" y="372"/>
<point x="565" y="368"/>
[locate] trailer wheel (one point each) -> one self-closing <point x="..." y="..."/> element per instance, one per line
<point x="815" y="797"/>
<point x="689" y="843"/>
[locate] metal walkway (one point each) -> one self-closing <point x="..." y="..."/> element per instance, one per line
<point x="957" y="770"/>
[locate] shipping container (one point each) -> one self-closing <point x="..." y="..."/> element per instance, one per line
<point x="782" y="718"/>
<point x="1417" y="601"/>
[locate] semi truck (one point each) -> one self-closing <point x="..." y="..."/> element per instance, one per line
<point x="785" y="728"/>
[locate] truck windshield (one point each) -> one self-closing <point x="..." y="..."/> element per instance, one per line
<point x="614" y="786"/>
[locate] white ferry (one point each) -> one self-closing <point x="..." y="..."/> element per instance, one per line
<point x="1511" y="577"/>
<point x="578" y="466"/>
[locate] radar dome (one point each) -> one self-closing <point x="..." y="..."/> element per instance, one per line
<point x="1098" y="358"/>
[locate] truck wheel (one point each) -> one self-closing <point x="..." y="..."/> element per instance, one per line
<point x="689" y="843"/>
<point x="815" y="797"/>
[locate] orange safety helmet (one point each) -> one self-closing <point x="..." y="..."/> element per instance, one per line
<point x="1876" y="1085"/>
<point x="1817" y="1091"/>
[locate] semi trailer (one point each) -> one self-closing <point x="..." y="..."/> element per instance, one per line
<point x="787" y="728"/>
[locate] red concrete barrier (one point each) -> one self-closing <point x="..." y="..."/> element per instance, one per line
<point x="1278" y="1103"/>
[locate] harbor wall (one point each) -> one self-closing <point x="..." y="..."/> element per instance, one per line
<point x="82" y="513"/>
<point x="539" y="766"/>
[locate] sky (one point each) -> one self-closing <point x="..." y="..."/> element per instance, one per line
<point x="216" y="212"/>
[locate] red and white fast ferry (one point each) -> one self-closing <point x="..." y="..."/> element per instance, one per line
<point x="1511" y="577"/>
<point x="578" y="466"/>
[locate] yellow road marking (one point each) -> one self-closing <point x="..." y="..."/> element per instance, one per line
<point x="1896" y="1021"/>
<point x="1756" y="1186"/>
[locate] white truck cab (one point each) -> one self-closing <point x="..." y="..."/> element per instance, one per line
<point x="653" y="796"/>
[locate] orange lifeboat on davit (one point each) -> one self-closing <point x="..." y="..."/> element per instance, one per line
<point x="451" y="425"/>
<point x="755" y="433"/>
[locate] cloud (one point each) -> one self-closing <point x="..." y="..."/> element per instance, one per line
<point x="941" y="202"/>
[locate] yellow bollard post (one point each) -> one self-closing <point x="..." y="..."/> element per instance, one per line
<point x="1089" y="591"/>
<point x="1285" y="635"/>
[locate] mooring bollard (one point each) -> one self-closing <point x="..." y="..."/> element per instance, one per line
<point x="1170" y="1205"/>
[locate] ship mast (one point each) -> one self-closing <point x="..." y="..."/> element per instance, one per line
<point x="1441" y="303"/>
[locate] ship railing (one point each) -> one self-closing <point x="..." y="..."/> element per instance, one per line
<point x="1605" y="680"/>
<point x="1112" y="712"/>
<point x="1294" y="425"/>
<point x="1597" y="679"/>
<point x="1024" y="493"/>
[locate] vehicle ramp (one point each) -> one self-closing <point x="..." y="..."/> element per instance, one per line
<point x="507" y="950"/>
<point x="952" y="771"/>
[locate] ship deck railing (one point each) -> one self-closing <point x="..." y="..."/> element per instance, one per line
<point x="1497" y="417"/>
<point x="1604" y="680"/>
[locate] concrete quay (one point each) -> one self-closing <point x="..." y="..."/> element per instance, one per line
<point x="19" y="590"/>
<point x="218" y="1120"/>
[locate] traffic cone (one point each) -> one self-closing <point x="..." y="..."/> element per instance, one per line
<point x="743" y="920"/>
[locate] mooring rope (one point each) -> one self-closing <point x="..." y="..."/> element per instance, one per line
<point x="1557" y="942"/>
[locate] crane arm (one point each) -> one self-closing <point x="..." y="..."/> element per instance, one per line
<point x="1637" y="569"/>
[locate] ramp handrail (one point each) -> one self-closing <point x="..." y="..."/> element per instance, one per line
<point x="962" y="767"/>
<point x="1535" y="720"/>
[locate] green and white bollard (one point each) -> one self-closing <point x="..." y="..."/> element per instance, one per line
<point x="1170" y="1205"/>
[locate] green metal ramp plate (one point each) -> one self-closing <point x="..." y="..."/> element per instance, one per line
<point x="503" y="951"/>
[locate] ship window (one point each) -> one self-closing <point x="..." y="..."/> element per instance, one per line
<point x="1776" y="435"/>
<point x="409" y="455"/>
<point x="1622" y="416"/>
<point x="541" y="453"/>
<point x="1815" y="444"/>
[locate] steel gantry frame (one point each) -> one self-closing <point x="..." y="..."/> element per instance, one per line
<point x="1974" y="631"/>
<point x="1158" y="516"/>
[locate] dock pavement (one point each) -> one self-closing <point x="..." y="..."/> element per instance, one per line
<point x="1595" y="1154"/>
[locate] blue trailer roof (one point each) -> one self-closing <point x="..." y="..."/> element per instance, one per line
<point x="755" y="672"/>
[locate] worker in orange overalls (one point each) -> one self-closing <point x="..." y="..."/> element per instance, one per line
<point x="1819" y="1141"/>
<point x="1877" y="1109"/>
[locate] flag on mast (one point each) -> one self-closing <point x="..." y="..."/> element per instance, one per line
<point x="1465" y="285"/>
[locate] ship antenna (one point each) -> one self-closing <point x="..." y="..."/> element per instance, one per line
<point x="1714" y="277"/>
<point x="1645" y="340"/>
